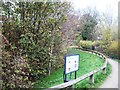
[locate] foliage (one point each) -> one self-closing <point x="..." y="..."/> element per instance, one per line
<point x="89" y="23"/>
<point x="32" y="30"/>
<point x="15" y="71"/>
<point x="86" y="44"/>
<point x="58" y="51"/>
<point x="69" y="28"/>
<point x="109" y="48"/>
<point x="97" y="43"/>
<point x="78" y="38"/>
<point x="107" y="36"/>
<point x="112" y="50"/>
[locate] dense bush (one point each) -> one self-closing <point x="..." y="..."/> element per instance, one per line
<point x="99" y="45"/>
<point x="33" y="29"/>
<point x="108" y="48"/>
<point x="16" y="71"/>
<point x="113" y="50"/>
<point x="86" y="44"/>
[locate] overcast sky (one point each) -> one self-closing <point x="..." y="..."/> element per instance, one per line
<point x="110" y="6"/>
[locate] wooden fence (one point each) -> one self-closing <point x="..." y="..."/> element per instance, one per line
<point x="90" y="74"/>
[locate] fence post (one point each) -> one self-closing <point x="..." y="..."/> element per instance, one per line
<point x="92" y="79"/>
<point x="104" y="70"/>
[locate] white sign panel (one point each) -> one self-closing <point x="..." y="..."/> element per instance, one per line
<point x="71" y="63"/>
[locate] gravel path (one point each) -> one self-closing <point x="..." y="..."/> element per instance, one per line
<point x="112" y="80"/>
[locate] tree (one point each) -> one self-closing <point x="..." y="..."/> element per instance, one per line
<point x="108" y="24"/>
<point x="68" y="29"/>
<point x="88" y="25"/>
<point x="88" y="21"/>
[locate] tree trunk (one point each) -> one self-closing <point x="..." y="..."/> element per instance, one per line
<point x="51" y="51"/>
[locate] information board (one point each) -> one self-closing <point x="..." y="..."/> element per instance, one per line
<point x="71" y="63"/>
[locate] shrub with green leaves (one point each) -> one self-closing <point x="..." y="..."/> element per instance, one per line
<point x="108" y="48"/>
<point x="34" y="29"/>
<point x="112" y="50"/>
<point x="15" y="71"/>
<point x="86" y="44"/>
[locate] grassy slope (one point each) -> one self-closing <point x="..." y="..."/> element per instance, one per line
<point x="88" y="62"/>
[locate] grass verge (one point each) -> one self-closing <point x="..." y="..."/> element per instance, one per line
<point x="118" y="60"/>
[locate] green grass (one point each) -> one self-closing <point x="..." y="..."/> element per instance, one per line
<point x="118" y="60"/>
<point x="88" y="62"/>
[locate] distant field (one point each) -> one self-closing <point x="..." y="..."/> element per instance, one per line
<point x="88" y="62"/>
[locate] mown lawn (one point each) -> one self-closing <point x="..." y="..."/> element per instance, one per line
<point x="88" y="62"/>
